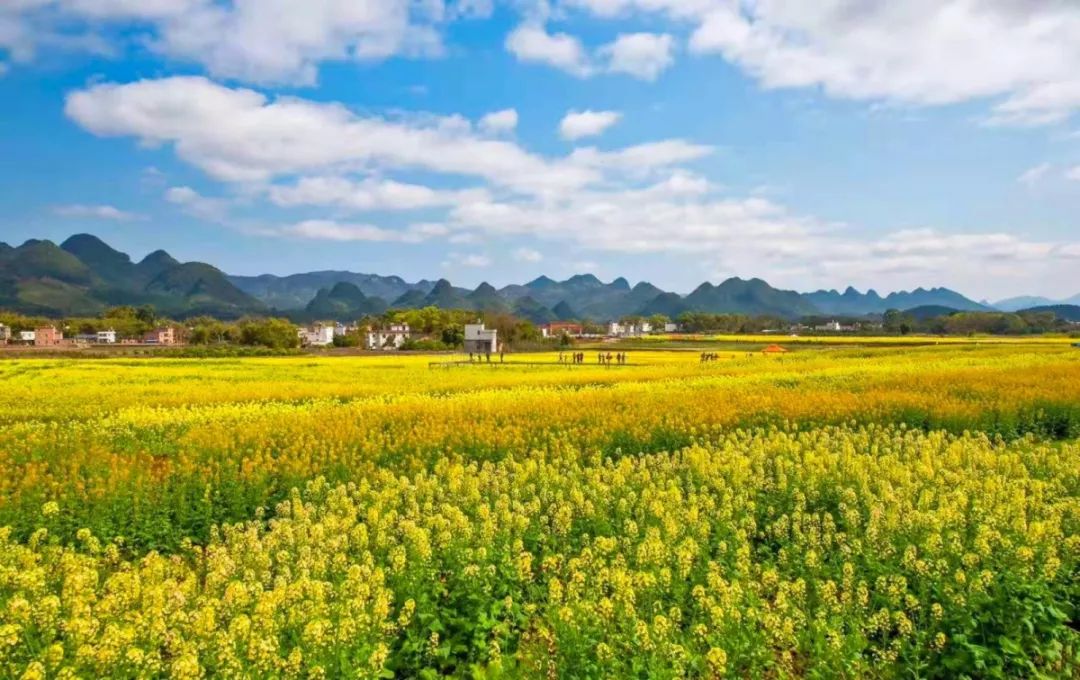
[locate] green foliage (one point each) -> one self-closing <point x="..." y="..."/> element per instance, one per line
<point x="273" y="333"/>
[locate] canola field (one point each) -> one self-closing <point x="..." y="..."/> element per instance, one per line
<point x="884" y="512"/>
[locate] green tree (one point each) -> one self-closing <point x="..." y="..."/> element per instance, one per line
<point x="273" y="333"/>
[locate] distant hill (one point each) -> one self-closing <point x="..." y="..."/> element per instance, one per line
<point x="486" y="298"/>
<point x="345" y="301"/>
<point x="84" y="275"/>
<point x="1065" y="312"/>
<point x="295" y="291"/>
<point x="752" y="296"/>
<point x="924" y="312"/>
<point x="1015" y="304"/>
<point x="853" y="303"/>
<point x="446" y="296"/>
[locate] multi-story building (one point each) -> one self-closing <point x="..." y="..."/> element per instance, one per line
<point x="165" y="335"/>
<point x="47" y="336"/>
<point x="389" y="338"/>
<point x="319" y="335"/>
<point x="480" y="340"/>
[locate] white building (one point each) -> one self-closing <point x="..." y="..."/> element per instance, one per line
<point x="628" y="330"/>
<point x="390" y="338"/>
<point x="27" y="336"/>
<point x="5" y="333"/>
<point x="316" y="336"/>
<point x="106" y="337"/>
<point x="480" y="340"/>
<point x="834" y="327"/>
<point x="671" y="328"/>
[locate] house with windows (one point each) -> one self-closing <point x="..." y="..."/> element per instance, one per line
<point x="617" y="329"/>
<point x="5" y="334"/>
<point x="319" y="335"/>
<point x="480" y="340"/>
<point x="391" y="337"/>
<point x="47" y="336"/>
<point x="558" y="329"/>
<point x="105" y="337"/>
<point x="165" y="335"/>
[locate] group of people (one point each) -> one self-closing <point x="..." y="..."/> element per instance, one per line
<point x="706" y="357"/>
<point x="487" y="355"/>
<point x="601" y="358"/>
<point x="605" y="359"/>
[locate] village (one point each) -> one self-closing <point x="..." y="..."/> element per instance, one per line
<point x="385" y="336"/>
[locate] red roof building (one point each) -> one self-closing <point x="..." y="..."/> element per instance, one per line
<point x="556" y="329"/>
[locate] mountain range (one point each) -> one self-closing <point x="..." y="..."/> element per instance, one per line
<point x="1029" y="301"/>
<point x="83" y="275"/>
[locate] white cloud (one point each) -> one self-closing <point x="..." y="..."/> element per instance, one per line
<point x="265" y="41"/>
<point x="641" y="158"/>
<point x="475" y="260"/>
<point x="99" y="212"/>
<point x="642" y="55"/>
<point x="498" y="122"/>
<point x="578" y="124"/>
<point x="1022" y="54"/>
<point x="1034" y="175"/>
<point x="330" y="230"/>
<point x="368" y="194"/>
<point x="194" y="203"/>
<point x="1073" y="173"/>
<point x="239" y="135"/>
<point x="682" y="215"/>
<point x="918" y="52"/>
<point x="532" y="43"/>
<point x="528" y="255"/>
<point x="472" y="260"/>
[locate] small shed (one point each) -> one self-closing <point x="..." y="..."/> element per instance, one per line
<point x="774" y="349"/>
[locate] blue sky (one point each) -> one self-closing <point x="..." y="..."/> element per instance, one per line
<point x="885" y="145"/>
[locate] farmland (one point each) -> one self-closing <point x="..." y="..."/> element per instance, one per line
<point x="836" y="511"/>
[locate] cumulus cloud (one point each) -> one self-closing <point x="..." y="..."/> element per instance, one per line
<point x="641" y="199"/>
<point x="194" y="203"/>
<point x="531" y="42"/>
<point x="264" y="41"/>
<point x="588" y="123"/>
<point x="1020" y="55"/>
<point x="642" y="55"/>
<point x="528" y="255"/>
<point x="98" y="212"/>
<point x="641" y="158"/>
<point x="920" y="52"/>
<point x="367" y="194"/>
<point x="498" y="122"/>
<point x="239" y="135"/>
